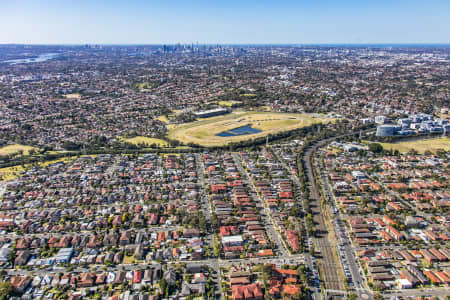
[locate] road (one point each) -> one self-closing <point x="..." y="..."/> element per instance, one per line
<point x="201" y="181"/>
<point x="442" y="293"/>
<point x="267" y="221"/>
<point x="2" y="188"/>
<point x="297" y="185"/>
<point x="206" y="206"/>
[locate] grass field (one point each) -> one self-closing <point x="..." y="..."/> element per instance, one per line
<point x="73" y="96"/>
<point x="11" y="173"/>
<point x="204" y="132"/>
<point x="145" y="86"/>
<point x="163" y="119"/>
<point x="15" y="149"/>
<point x="420" y="145"/>
<point x="229" y="103"/>
<point x="146" y="140"/>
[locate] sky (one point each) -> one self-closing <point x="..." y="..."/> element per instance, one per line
<point x="224" y="22"/>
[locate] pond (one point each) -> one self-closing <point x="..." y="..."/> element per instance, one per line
<point x="243" y="130"/>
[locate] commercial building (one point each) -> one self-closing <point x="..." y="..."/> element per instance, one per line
<point x="381" y="120"/>
<point x="233" y="240"/>
<point x="386" y="130"/>
<point x="63" y="255"/>
<point x="211" y="113"/>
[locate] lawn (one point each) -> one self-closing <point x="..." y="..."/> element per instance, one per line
<point x="127" y="260"/>
<point x="204" y="132"/>
<point x="334" y="150"/>
<point x="15" y="149"/>
<point x="420" y="145"/>
<point x="146" y="141"/>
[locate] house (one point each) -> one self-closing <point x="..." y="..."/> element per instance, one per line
<point x="433" y="278"/>
<point x="404" y="283"/>
<point x="193" y="268"/>
<point x="86" y="279"/>
<point x="22" y="257"/>
<point x="410" y="277"/>
<point x="192" y="289"/>
<point x="120" y="277"/>
<point x="64" y="255"/>
<point x="23" y="244"/>
<point x="110" y="239"/>
<point x="139" y="252"/>
<point x="428" y="256"/>
<point x="125" y="238"/>
<point x="191" y="232"/>
<point x="438" y="254"/>
<point x="137" y="276"/>
<point x="242" y="280"/>
<point x="291" y="289"/>
<point x="170" y="276"/>
<point x="417" y="273"/>
<point x="93" y="242"/>
<point x="65" y="279"/>
<point x="265" y="252"/>
<point x="443" y="277"/>
<point x="101" y="278"/>
<point x="247" y="292"/>
<point x="292" y="237"/>
<point x="394" y="233"/>
<point x="20" y="283"/>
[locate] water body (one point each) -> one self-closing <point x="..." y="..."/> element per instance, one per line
<point x="244" y="130"/>
<point x="40" y="58"/>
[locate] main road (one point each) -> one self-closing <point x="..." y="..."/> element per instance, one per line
<point x="342" y="237"/>
<point x="330" y="266"/>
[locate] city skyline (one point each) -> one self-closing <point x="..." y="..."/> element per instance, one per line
<point x="251" y="22"/>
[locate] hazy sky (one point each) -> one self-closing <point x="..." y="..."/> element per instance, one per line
<point x="227" y="21"/>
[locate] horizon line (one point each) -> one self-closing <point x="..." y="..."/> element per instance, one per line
<point x="225" y="44"/>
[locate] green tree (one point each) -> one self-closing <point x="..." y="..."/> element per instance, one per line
<point x="163" y="285"/>
<point x="266" y="273"/>
<point x="217" y="249"/>
<point x="375" y="147"/>
<point x="5" y="289"/>
<point x="377" y="296"/>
